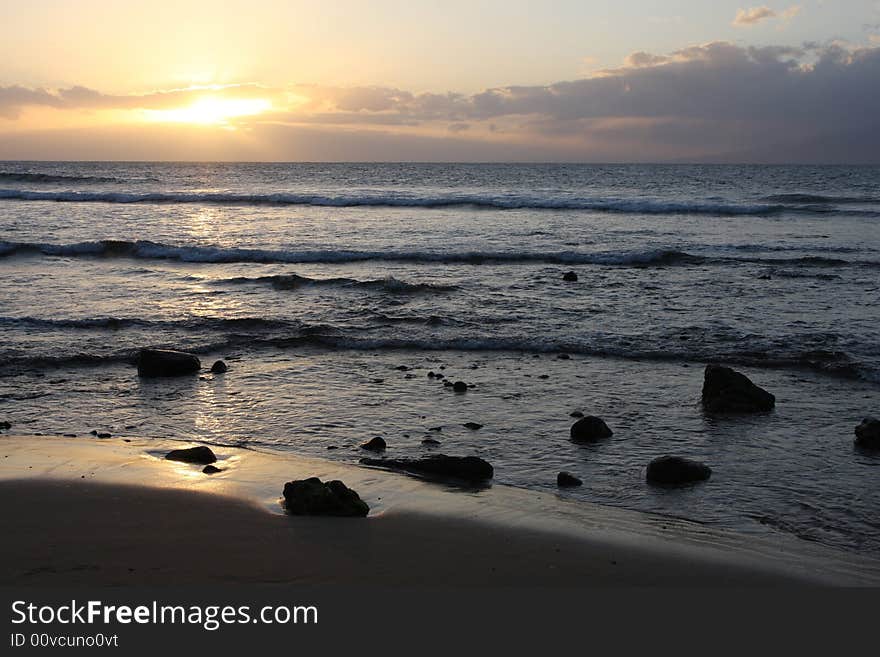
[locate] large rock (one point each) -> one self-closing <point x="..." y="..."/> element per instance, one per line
<point x="727" y="391"/>
<point x="201" y="455"/>
<point x="589" y="429"/>
<point x="219" y="367"/>
<point x="313" y="497"/>
<point x="868" y="433"/>
<point x="376" y="444"/>
<point x="164" y="362"/>
<point x="466" y="468"/>
<point x="673" y="470"/>
<point x="567" y="480"/>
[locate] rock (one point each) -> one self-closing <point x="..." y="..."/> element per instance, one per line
<point x="313" y="497"/>
<point x="447" y="383"/>
<point x="211" y="469"/>
<point x="569" y="277"/>
<point x="727" y="391"/>
<point x="163" y="362"/>
<point x="431" y="442"/>
<point x="376" y="444"/>
<point x="435" y="428"/>
<point x="473" y="426"/>
<point x="868" y="433"/>
<point x="459" y="386"/>
<point x="575" y="414"/>
<point x="674" y="470"/>
<point x="201" y="455"/>
<point x="5" y="426"/>
<point x="563" y="357"/>
<point x="543" y="376"/>
<point x="589" y="429"/>
<point x="566" y="479"/>
<point x="219" y="367"/>
<point x="104" y="435"/>
<point x="401" y="368"/>
<point x="466" y="468"/>
<point x="431" y="375"/>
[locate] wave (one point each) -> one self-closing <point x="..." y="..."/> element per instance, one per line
<point x="142" y="249"/>
<point x="294" y="281"/>
<point x="831" y="362"/>
<point x="818" y="199"/>
<point x="14" y="176"/>
<point x="199" y="324"/>
<point x="485" y="201"/>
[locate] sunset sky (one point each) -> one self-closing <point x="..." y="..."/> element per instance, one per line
<point x="638" y="80"/>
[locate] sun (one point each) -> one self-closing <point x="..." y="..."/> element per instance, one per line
<point x="212" y="110"/>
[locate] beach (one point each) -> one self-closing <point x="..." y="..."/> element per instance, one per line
<point x="109" y="512"/>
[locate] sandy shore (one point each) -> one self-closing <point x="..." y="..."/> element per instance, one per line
<point x="114" y="512"/>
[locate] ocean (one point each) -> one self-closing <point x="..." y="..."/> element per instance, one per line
<point x="333" y="289"/>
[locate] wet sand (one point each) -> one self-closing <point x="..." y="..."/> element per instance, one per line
<point x="109" y="512"/>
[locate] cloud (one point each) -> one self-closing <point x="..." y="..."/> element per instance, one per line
<point x="753" y="16"/>
<point x="701" y="102"/>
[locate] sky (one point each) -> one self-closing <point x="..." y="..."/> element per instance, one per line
<point x="483" y="80"/>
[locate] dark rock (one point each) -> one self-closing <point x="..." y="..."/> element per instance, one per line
<point x="4" y="426"/>
<point x="378" y="380"/>
<point x="201" y="455"/>
<point x="473" y="426"/>
<point x="727" y="391"/>
<point x="868" y="433"/>
<point x="211" y="469"/>
<point x="70" y="435"/>
<point x="673" y="470"/>
<point x="543" y="376"/>
<point x="332" y="447"/>
<point x="569" y="277"/>
<point x="435" y="428"/>
<point x="219" y="367"/>
<point x="163" y="362"/>
<point x="589" y="429"/>
<point x="575" y="414"/>
<point x="430" y="441"/>
<point x="466" y="468"/>
<point x="313" y="497"/>
<point x="431" y="375"/>
<point x="376" y="444"/>
<point x="447" y="383"/>
<point x="93" y="432"/>
<point x="401" y="368"/>
<point x="104" y="435"/>
<point x="459" y="386"/>
<point x="566" y="479"/>
<point x="440" y="376"/>
<point x="563" y="357"/>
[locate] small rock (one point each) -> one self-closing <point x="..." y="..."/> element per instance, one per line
<point x="459" y="386"/>
<point x="211" y="469"/>
<point x="466" y="468"/>
<point x="473" y="426"/>
<point x="431" y="375"/>
<point x="219" y="367"/>
<point x="435" y="428"/>
<point x="104" y="435"/>
<point x="430" y="441"/>
<point x="868" y="433"/>
<point x="589" y="429"/>
<point x="569" y="277"/>
<point x="727" y="391"/>
<point x="674" y="470"/>
<point x="543" y="376"/>
<point x="566" y="479"/>
<point x="376" y="444"/>
<point x="563" y="357"/>
<point x="447" y="383"/>
<point x="201" y="455"/>
<point x="313" y="497"/>
<point x="332" y="447"/>
<point x="4" y="426"/>
<point x="70" y="435"/>
<point x="401" y="368"/>
<point x="164" y="362"/>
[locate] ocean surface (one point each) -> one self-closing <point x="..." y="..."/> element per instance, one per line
<point x="333" y="289"/>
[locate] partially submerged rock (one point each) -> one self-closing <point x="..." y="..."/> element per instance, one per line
<point x="868" y="433"/>
<point x="673" y="470"/>
<point x="589" y="429"/>
<point x="567" y="480"/>
<point x="4" y="426"/>
<point x="201" y="455"/>
<point x="376" y="444"/>
<point x="473" y="426"/>
<point x="569" y="277"/>
<point x="313" y="497"/>
<point x="727" y="391"/>
<point x="219" y="367"/>
<point x="165" y="362"/>
<point x="459" y="386"/>
<point x="466" y="468"/>
<point x="211" y="469"/>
